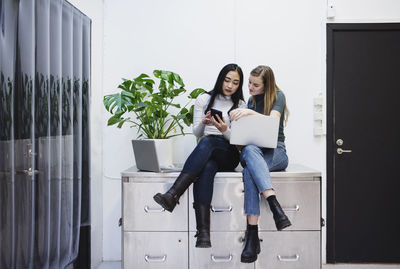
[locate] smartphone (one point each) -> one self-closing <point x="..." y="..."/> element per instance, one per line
<point x="216" y="112"/>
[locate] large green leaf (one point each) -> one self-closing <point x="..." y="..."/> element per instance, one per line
<point x="196" y="92"/>
<point x="122" y="122"/>
<point x="114" y="119"/>
<point x="157" y="73"/>
<point x="178" y="79"/>
<point x="178" y="91"/>
<point x="162" y="88"/>
<point x="117" y="101"/>
<point x="142" y="76"/>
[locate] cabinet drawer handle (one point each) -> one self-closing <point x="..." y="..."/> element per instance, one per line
<point x="221" y="258"/>
<point x="147" y="209"/>
<point x="295" y="208"/>
<point x="294" y="258"/>
<point x="149" y="258"/>
<point x="221" y="209"/>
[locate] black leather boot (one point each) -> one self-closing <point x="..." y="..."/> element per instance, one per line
<point x="202" y="225"/>
<point x="281" y="220"/>
<point x="252" y="246"/>
<point x="169" y="199"/>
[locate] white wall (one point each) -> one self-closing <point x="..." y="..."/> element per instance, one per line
<point x="195" y="39"/>
<point x="366" y="11"/>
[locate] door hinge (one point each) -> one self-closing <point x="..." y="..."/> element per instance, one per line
<point x="322" y="222"/>
<point x="120" y="222"/>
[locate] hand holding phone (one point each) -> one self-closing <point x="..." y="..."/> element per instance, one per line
<point x="216" y="112"/>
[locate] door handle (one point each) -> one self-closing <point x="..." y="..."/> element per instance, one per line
<point x="341" y="151"/>
<point x="339" y="142"/>
<point x="28" y="172"/>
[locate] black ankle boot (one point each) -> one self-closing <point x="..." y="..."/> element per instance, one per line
<point x="202" y="225"/>
<point x="252" y="246"/>
<point x="281" y="220"/>
<point x="169" y="199"/>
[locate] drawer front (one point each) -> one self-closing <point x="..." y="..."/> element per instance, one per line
<point x="289" y="250"/>
<point x="224" y="253"/>
<point x="301" y="202"/>
<point x="155" y="250"/>
<point x="227" y="212"/>
<point x="142" y="213"/>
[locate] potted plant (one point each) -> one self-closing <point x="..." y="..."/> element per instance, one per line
<point x="156" y="113"/>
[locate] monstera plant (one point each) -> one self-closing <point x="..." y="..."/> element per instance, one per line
<point x="151" y="107"/>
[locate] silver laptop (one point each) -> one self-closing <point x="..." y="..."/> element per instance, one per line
<point x="259" y="130"/>
<point x="147" y="159"/>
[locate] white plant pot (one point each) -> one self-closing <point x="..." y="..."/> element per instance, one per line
<point x="163" y="148"/>
<point x="164" y="151"/>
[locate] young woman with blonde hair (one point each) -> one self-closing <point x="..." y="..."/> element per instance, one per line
<point x="267" y="99"/>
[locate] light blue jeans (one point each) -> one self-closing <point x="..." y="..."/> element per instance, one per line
<point x="257" y="163"/>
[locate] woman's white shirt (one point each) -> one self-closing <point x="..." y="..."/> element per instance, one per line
<point x="222" y="103"/>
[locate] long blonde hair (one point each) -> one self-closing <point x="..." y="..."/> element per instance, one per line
<point x="270" y="88"/>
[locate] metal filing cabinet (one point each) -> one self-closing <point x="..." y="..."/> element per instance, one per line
<point x="154" y="238"/>
<point x="298" y="246"/>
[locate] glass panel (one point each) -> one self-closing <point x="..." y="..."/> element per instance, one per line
<point x="77" y="126"/>
<point x="8" y="27"/>
<point x="85" y="122"/>
<point x="44" y="132"/>
<point x="24" y="135"/>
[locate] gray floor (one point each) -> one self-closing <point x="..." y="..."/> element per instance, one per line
<point x="110" y="265"/>
<point x="117" y="265"/>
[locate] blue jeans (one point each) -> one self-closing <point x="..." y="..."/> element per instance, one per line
<point x="257" y="163"/>
<point x="212" y="154"/>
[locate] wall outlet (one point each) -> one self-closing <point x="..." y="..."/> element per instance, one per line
<point x="318" y="131"/>
<point x="318" y="116"/>
<point x="318" y="101"/>
<point x="331" y="12"/>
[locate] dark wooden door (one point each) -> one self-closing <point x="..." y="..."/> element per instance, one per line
<point x="363" y="111"/>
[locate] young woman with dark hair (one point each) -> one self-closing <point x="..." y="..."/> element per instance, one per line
<point x="213" y="152"/>
<point x="267" y="99"/>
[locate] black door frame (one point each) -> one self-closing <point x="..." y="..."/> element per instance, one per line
<point x="330" y="157"/>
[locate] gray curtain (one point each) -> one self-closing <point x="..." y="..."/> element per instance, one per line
<point x="44" y="132"/>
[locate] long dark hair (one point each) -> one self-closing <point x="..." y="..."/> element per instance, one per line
<point x="237" y="96"/>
